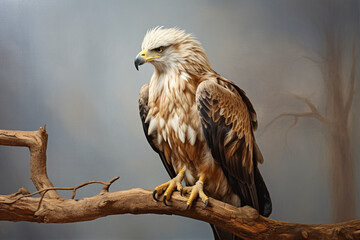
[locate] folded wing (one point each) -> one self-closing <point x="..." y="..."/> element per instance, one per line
<point x="228" y="121"/>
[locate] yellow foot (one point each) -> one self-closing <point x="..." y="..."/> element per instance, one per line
<point x="169" y="187"/>
<point x="196" y="191"/>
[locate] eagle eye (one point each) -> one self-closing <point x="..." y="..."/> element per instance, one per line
<point x="159" y="49"/>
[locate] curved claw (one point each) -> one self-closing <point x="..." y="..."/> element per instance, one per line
<point x="206" y="204"/>
<point x="154" y="195"/>
<point x="187" y="207"/>
<point x="181" y="192"/>
<point x="164" y="200"/>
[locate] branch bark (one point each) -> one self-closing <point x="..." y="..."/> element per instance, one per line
<point x="51" y="208"/>
<point x="245" y="221"/>
<point x="36" y="141"/>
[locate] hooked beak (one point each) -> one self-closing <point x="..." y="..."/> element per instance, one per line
<point x="140" y="59"/>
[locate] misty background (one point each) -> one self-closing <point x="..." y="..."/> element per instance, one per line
<point x="69" y="64"/>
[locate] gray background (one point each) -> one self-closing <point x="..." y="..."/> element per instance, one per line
<point x="69" y="64"/>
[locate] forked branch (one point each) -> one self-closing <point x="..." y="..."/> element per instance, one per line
<point x="36" y="141"/>
<point x="313" y="113"/>
<point x="245" y="221"/>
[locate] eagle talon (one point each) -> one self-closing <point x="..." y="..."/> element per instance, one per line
<point x="197" y="191"/>
<point x="187" y="207"/>
<point x="154" y="195"/>
<point x="168" y="188"/>
<point x="164" y="200"/>
<point x="206" y="204"/>
<point x="181" y="191"/>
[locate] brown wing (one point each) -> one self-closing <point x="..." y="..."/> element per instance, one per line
<point x="144" y="110"/>
<point x="228" y="120"/>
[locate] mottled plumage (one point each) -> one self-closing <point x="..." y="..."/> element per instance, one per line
<point x="200" y="123"/>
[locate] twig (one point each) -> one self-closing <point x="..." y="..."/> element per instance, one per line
<point x="314" y="113"/>
<point x="295" y="115"/>
<point x="44" y="191"/>
<point x="312" y="59"/>
<point x="314" y="110"/>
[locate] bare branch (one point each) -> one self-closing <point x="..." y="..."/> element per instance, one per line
<point x="245" y="221"/>
<point x="36" y="141"/>
<point x="282" y="115"/>
<point x="353" y="75"/>
<point x="314" y="110"/>
<point x="312" y="60"/>
<point x="296" y="118"/>
<point x="44" y="191"/>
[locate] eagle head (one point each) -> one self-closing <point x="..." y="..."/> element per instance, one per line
<point x="169" y="48"/>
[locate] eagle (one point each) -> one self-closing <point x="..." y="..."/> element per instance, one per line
<point x="201" y="125"/>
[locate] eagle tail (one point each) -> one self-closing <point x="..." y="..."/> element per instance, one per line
<point x="265" y="205"/>
<point x="264" y="200"/>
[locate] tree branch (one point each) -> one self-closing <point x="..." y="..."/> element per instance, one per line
<point x="353" y="75"/>
<point x="36" y="141"/>
<point x="312" y="60"/>
<point x="314" y="112"/>
<point x="25" y="193"/>
<point x="295" y="115"/>
<point x="244" y="221"/>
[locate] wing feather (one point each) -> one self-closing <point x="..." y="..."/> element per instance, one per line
<point x="228" y="121"/>
<point x="151" y="138"/>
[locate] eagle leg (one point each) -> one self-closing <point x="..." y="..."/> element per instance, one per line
<point x="196" y="191"/>
<point x="169" y="187"/>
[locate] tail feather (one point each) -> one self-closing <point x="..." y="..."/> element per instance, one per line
<point x="264" y="200"/>
<point x="265" y="205"/>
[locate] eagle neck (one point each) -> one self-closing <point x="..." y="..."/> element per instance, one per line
<point x="185" y="70"/>
<point x="173" y="81"/>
